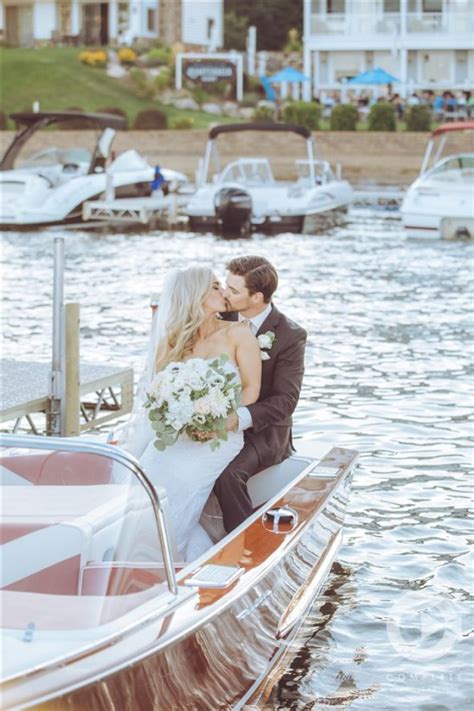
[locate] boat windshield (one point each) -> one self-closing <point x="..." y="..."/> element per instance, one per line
<point x="81" y="548"/>
<point x="322" y="171"/>
<point x="57" y="156"/>
<point x="249" y="172"/>
<point x="459" y="167"/>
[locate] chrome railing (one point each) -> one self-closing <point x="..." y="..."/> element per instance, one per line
<point x="121" y="457"/>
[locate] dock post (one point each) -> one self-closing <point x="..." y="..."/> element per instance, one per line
<point x="56" y="395"/>
<point x="109" y="187"/>
<point x="70" y="413"/>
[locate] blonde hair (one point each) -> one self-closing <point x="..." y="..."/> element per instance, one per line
<point x="184" y="314"/>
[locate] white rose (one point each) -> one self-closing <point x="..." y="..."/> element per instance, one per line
<point x="202" y="406"/>
<point x="264" y="341"/>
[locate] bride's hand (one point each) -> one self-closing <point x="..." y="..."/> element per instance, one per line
<point x="204" y="436"/>
<point x="232" y="423"/>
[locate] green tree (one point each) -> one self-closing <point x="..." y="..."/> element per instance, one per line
<point x="235" y="31"/>
<point x="272" y="18"/>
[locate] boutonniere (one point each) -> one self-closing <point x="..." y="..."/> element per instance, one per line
<point x="266" y="341"/>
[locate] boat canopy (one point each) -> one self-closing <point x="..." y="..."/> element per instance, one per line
<point x="259" y="126"/>
<point x="30" y="118"/>
<point x="454" y="126"/>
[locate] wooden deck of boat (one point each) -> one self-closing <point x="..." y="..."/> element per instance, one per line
<point x="25" y="388"/>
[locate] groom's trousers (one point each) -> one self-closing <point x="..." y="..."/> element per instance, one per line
<point x="231" y="487"/>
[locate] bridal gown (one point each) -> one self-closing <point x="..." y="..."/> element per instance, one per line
<point x="188" y="471"/>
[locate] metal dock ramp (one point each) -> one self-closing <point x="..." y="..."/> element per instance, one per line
<point x="105" y="393"/>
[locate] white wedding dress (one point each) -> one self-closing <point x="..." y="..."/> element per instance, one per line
<point x="188" y="471"/>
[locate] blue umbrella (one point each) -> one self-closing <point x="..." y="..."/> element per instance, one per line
<point x="290" y="75"/>
<point x="374" y="76"/>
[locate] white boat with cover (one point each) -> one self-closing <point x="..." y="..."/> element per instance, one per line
<point x="245" y="195"/>
<point x="440" y="203"/>
<point x="51" y="185"/>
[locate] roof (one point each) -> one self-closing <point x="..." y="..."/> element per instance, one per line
<point x="289" y="74"/>
<point x="454" y="126"/>
<point x="259" y="126"/>
<point x="374" y="76"/>
<point x="29" y="118"/>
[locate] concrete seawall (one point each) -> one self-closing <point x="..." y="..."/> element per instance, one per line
<point x="365" y="157"/>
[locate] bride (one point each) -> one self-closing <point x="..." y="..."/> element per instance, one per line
<point x="187" y="326"/>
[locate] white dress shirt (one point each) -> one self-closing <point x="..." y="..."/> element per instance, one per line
<point x="243" y="413"/>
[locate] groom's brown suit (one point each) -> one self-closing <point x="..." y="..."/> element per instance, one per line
<point x="268" y="441"/>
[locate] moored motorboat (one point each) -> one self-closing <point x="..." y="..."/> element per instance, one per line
<point x="245" y="195"/>
<point x="440" y="203"/>
<point x="96" y="608"/>
<point x="51" y="185"/>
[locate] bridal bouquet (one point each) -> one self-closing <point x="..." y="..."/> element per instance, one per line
<point x="195" y="397"/>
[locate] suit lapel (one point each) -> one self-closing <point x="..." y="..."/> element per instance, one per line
<point x="271" y="321"/>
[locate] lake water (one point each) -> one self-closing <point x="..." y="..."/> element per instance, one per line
<point x="389" y="372"/>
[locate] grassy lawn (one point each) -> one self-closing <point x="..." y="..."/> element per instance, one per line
<point x="56" y="78"/>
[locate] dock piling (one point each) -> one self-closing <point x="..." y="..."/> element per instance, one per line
<point x="57" y="366"/>
<point x="71" y="422"/>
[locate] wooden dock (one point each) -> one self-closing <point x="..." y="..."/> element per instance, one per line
<point x="104" y="393"/>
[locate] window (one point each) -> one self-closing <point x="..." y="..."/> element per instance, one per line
<point x="210" y="27"/>
<point x="391" y="6"/>
<point x="151" y="20"/>
<point x="335" y="6"/>
<point x="432" y="5"/>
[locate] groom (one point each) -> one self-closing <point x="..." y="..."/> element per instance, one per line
<point x="250" y="285"/>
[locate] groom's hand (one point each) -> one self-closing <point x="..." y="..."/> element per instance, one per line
<point x="232" y="423"/>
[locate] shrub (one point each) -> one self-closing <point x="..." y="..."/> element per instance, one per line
<point x="159" y="56"/>
<point x="253" y="84"/>
<point x="344" y="117"/>
<point x="264" y="113"/>
<point x="382" y="118"/>
<point x="418" y="118"/>
<point x="145" y="88"/>
<point x="294" y="43"/>
<point x="94" y="58"/>
<point x="200" y="95"/>
<point x="116" y="112"/>
<point x="150" y="119"/>
<point x="3" y="121"/>
<point x="250" y="99"/>
<point x="127" y="56"/>
<point x="182" y="123"/>
<point x="304" y="113"/>
<point x="163" y="79"/>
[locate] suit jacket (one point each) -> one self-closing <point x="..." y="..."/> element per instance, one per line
<point x="282" y="377"/>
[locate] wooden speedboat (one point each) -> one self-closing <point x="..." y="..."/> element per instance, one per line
<point x="99" y="614"/>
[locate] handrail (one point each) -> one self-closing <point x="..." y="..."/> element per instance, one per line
<point x="120" y="456"/>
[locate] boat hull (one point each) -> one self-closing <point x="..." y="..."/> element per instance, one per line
<point x="297" y="224"/>
<point x="236" y="636"/>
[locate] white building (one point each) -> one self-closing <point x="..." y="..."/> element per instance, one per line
<point x="92" y="22"/>
<point x="426" y="44"/>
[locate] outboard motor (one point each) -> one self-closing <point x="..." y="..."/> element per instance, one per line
<point x="233" y="208"/>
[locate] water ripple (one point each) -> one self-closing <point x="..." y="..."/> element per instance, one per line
<point x="389" y="372"/>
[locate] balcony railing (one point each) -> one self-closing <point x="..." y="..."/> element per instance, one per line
<point x="356" y="25"/>
<point x="426" y="22"/>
